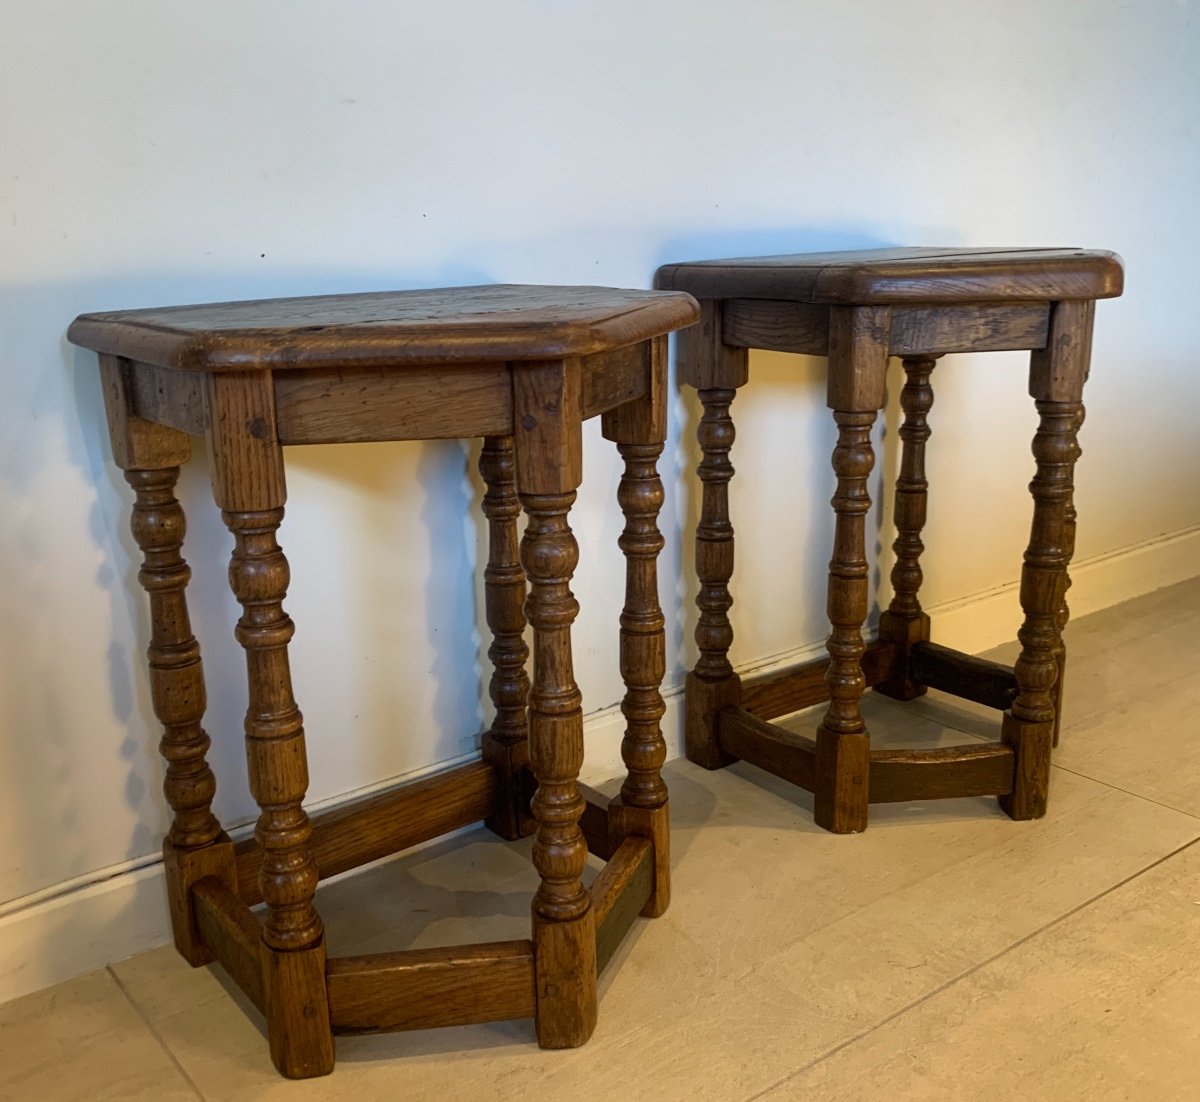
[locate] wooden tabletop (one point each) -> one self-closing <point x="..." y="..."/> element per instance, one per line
<point x="910" y="275"/>
<point x="388" y="328"/>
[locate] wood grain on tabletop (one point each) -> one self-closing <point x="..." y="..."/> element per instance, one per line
<point x="390" y="328"/>
<point x="881" y="276"/>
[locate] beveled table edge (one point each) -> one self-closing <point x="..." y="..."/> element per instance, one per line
<point x="426" y="344"/>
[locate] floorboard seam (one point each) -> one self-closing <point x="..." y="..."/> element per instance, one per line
<point x="157" y="1036"/>
<point x="969" y="972"/>
<point x="1118" y="788"/>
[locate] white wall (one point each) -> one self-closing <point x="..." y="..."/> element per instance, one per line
<point x="163" y="153"/>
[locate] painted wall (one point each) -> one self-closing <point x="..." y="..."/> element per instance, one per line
<point x="162" y="153"/>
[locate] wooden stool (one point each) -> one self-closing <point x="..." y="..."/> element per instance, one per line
<point x="858" y="308"/>
<point x="522" y="367"/>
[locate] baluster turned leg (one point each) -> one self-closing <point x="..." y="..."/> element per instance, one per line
<point x="1029" y="723"/>
<point x="293" y="934"/>
<point x="642" y="806"/>
<point x="713" y="685"/>
<point x="564" y="923"/>
<point x="548" y="441"/>
<point x="639" y="429"/>
<point x="249" y="487"/>
<point x="905" y="622"/>
<point x="857" y="376"/>
<point x="195" y="846"/>
<point x="1064" y="613"/>
<point x="506" y="745"/>
<point x="843" y="746"/>
<point x="259" y="575"/>
<point x="1057" y="375"/>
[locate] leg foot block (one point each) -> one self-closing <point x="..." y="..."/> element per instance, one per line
<point x="511" y="818"/>
<point x="654" y="824"/>
<point x="904" y="633"/>
<point x="298" y="1025"/>
<point x="1031" y="744"/>
<point x="703" y="700"/>
<point x="185" y="867"/>
<point x="565" y="974"/>
<point x="843" y="769"/>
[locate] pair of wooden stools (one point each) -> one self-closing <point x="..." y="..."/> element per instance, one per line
<point x="523" y="367"/>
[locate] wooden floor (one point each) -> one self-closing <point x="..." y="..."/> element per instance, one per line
<point x="947" y="953"/>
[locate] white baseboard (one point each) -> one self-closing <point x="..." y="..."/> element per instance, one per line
<point x="51" y="941"/>
<point x="114" y="913"/>
<point x="987" y="619"/>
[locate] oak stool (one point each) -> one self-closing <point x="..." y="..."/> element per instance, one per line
<point x="859" y="308"/>
<point x="522" y="367"/>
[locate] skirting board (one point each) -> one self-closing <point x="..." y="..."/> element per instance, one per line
<point x="122" y="911"/>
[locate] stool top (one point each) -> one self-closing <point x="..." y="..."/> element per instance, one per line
<point x="500" y="322"/>
<point x="914" y="275"/>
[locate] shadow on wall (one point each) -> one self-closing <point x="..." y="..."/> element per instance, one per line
<point x="79" y="723"/>
<point x="455" y="626"/>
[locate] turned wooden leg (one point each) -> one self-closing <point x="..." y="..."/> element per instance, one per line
<point x="1057" y="375"/>
<point x="713" y="685"/>
<point x="548" y="443"/>
<point x="642" y="805"/>
<point x="639" y="429"/>
<point x="843" y="746"/>
<point x="857" y="376"/>
<point x="249" y="487"/>
<point x="1029" y="724"/>
<point x="293" y="935"/>
<point x="506" y="745"/>
<point x="195" y="846"/>
<point x="1064" y="613"/>
<point x="563" y="921"/>
<point x="905" y="622"/>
